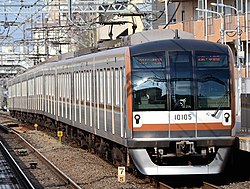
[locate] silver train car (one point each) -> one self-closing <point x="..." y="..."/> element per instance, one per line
<point x="163" y="107"/>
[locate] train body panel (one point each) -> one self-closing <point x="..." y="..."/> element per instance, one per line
<point x="170" y="103"/>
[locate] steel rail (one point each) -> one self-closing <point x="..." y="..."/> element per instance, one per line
<point x="164" y="186"/>
<point x="207" y="185"/>
<point x="21" y="177"/>
<point x="68" y="181"/>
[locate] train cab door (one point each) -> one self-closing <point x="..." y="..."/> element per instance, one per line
<point x="182" y="117"/>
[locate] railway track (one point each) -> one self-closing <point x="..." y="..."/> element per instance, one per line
<point x="12" y="175"/>
<point x="164" y="186"/>
<point x="68" y="182"/>
<point x="38" y="159"/>
<point x="207" y="185"/>
<point x="25" y="149"/>
<point x="9" y="122"/>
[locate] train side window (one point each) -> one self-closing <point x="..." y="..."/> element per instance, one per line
<point x="24" y="89"/>
<point x="17" y="90"/>
<point x="82" y="85"/>
<point x="69" y="95"/>
<point x="101" y="86"/>
<point x="66" y="92"/>
<point x="53" y="94"/>
<point x="91" y="84"/>
<point x="31" y="91"/>
<point x="40" y="86"/>
<point x="45" y="92"/>
<point x="91" y="88"/>
<point x="59" y="93"/>
<point x="62" y="94"/>
<point x="109" y="78"/>
<point x="117" y="86"/>
<point x="112" y="82"/>
<point x="77" y="87"/>
<point x="80" y="97"/>
<point x="75" y="90"/>
<point x="37" y="93"/>
<point x="97" y="79"/>
<point x="20" y="88"/>
<point x="85" y="95"/>
<point x="104" y="87"/>
<point x="42" y="91"/>
<point x="87" y="87"/>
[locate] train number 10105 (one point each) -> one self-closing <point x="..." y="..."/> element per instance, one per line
<point x="183" y="117"/>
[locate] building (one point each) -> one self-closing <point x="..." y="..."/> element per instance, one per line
<point x="228" y="24"/>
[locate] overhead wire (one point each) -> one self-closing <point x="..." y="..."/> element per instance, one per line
<point x="171" y="19"/>
<point x="21" y="23"/>
<point x="85" y="25"/>
<point x="16" y="18"/>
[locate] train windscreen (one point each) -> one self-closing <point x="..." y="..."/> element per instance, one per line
<point x="213" y="76"/>
<point x="183" y="81"/>
<point x="149" y="81"/>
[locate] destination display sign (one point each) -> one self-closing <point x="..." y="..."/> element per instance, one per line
<point x="149" y="60"/>
<point x="211" y="60"/>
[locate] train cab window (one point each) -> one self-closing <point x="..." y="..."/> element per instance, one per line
<point x="181" y="80"/>
<point x="213" y="75"/>
<point x="149" y="82"/>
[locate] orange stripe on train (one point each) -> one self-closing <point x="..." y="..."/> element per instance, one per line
<point x="129" y="88"/>
<point x="182" y="127"/>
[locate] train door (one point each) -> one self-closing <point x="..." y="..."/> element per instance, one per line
<point x="182" y="121"/>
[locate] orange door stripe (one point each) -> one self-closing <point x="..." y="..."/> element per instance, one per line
<point x="182" y="127"/>
<point x="129" y="88"/>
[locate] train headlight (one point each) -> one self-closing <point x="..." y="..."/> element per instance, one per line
<point x="226" y="116"/>
<point x="137" y="118"/>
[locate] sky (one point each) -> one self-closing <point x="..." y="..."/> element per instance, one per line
<point x="16" y="19"/>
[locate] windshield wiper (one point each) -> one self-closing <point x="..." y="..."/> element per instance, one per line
<point x="220" y="105"/>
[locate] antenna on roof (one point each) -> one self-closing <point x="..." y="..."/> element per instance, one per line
<point x="176" y="34"/>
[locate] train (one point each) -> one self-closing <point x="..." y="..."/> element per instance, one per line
<point x="161" y="107"/>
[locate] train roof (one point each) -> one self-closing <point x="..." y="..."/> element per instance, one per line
<point x="178" y="45"/>
<point x="142" y="42"/>
<point x="127" y="41"/>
